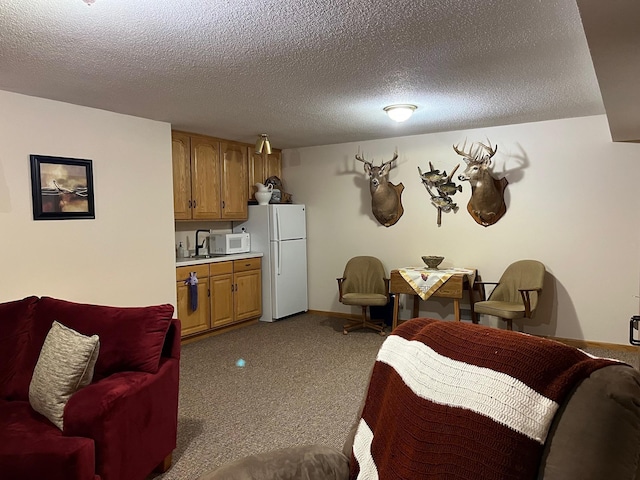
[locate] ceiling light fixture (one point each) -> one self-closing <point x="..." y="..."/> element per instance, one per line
<point x="263" y="143"/>
<point x="400" y="113"/>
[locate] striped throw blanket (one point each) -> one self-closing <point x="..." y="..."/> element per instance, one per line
<point x="450" y="400"/>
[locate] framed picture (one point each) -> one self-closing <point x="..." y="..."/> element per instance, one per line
<point x="62" y="188"/>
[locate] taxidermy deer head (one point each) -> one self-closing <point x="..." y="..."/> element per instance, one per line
<point x="486" y="205"/>
<point x="386" y="201"/>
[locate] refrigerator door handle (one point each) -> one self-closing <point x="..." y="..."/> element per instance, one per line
<point x="278" y="237"/>
<point x="278" y="258"/>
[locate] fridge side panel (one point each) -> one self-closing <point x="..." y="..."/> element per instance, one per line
<point x="289" y="278"/>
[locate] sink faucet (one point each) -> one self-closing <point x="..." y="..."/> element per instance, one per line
<point x="198" y="245"/>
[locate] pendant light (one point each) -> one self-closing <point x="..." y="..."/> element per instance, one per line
<point x="263" y="143"/>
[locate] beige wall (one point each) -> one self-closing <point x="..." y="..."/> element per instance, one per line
<point x="573" y="204"/>
<point x="123" y="257"/>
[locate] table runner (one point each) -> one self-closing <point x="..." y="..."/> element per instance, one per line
<point x="426" y="281"/>
<point x="461" y="401"/>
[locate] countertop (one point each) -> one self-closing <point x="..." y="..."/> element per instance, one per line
<point x="183" y="262"/>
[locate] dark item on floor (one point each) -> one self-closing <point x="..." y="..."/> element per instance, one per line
<point x="384" y="312"/>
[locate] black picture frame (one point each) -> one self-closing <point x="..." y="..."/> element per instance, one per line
<point x="61" y="188"/>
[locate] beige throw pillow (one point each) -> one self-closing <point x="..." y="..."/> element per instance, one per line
<point x="65" y="365"/>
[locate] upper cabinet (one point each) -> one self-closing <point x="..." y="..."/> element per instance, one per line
<point x="209" y="178"/>
<point x="234" y="180"/>
<point x="261" y="167"/>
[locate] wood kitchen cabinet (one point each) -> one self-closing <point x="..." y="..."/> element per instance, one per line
<point x="221" y="280"/>
<point x="236" y="291"/>
<point x="199" y="320"/>
<point x="229" y="294"/>
<point x="234" y="181"/>
<point x="209" y="178"/>
<point x="261" y="167"/>
<point x="247" y="278"/>
<point x="196" y="177"/>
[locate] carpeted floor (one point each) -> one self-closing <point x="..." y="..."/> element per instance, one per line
<point x="302" y="382"/>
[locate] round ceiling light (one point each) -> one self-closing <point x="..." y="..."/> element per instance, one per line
<point x="400" y="113"/>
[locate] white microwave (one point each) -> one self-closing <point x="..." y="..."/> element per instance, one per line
<point x="229" y="243"/>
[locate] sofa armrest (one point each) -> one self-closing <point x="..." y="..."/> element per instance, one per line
<point x="132" y="418"/>
<point x="171" y="347"/>
<point x="596" y="432"/>
<point x="308" y="462"/>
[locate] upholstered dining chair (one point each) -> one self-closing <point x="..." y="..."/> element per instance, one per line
<point x="365" y="284"/>
<point x="516" y="294"/>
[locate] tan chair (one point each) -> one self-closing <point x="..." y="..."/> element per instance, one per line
<point x="516" y="294"/>
<point x="365" y="284"/>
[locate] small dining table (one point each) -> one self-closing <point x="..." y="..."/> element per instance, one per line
<point x="423" y="283"/>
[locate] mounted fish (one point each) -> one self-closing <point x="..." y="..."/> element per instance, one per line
<point x="445" y="188"/>
<point x="486" y="205"/>
<point x="386" y="198"/>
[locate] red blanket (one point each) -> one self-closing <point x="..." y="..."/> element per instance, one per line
<point x="449" y="400"/>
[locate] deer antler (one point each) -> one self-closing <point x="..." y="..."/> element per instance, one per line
<point x="361" y="159"/>
<point x="467" y="156"/>
<point x="395" y="156"/>
<point x="475" y="151"/>
<point x="489" y="149"/>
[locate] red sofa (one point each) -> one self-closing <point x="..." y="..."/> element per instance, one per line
<point x="120" y="427"/>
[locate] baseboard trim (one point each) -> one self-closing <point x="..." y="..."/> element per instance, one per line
<point x="212" y="333"/>
<point x="567" y="341"/>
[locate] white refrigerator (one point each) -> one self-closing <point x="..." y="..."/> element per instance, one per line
<point x="279" y="231"/>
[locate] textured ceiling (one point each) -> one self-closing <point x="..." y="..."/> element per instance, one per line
<point x="305" y="72"/>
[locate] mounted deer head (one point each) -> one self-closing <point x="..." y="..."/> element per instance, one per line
<point x="486" y="205"/>
<point x="386" y="201"/>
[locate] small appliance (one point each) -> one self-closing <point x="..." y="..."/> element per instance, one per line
<point x="229" y="243"/>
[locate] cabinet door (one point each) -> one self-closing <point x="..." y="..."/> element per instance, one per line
<point x="234" y="181"/>
<point x="248" y="295"/>
<point x="221" y="299"/>
<point x="198" y="320"/>
<point x="256" y="171"/>
<point x="205" y="178"/>
<point x="181" y="156"/>
<point x="273" y="165"/>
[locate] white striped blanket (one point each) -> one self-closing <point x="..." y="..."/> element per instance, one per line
<point x="451" y="400"/>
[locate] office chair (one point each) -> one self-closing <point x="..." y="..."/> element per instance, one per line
<point x="516" y="294"/>
<point x="365" y="284"/>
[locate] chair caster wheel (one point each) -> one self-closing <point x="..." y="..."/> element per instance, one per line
<point x="344" y="332"/>
<point x="382" y="333"/>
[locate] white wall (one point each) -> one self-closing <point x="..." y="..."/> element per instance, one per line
<point x="125" y="256"/>
<point x="572" y="203"/>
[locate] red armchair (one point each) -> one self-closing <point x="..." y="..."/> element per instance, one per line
<point x="120" y="427"/>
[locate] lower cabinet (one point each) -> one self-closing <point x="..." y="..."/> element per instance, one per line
<point x="247" y="286"/>
<point x="193" y="321"/>
<point x="229" y="293"/>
